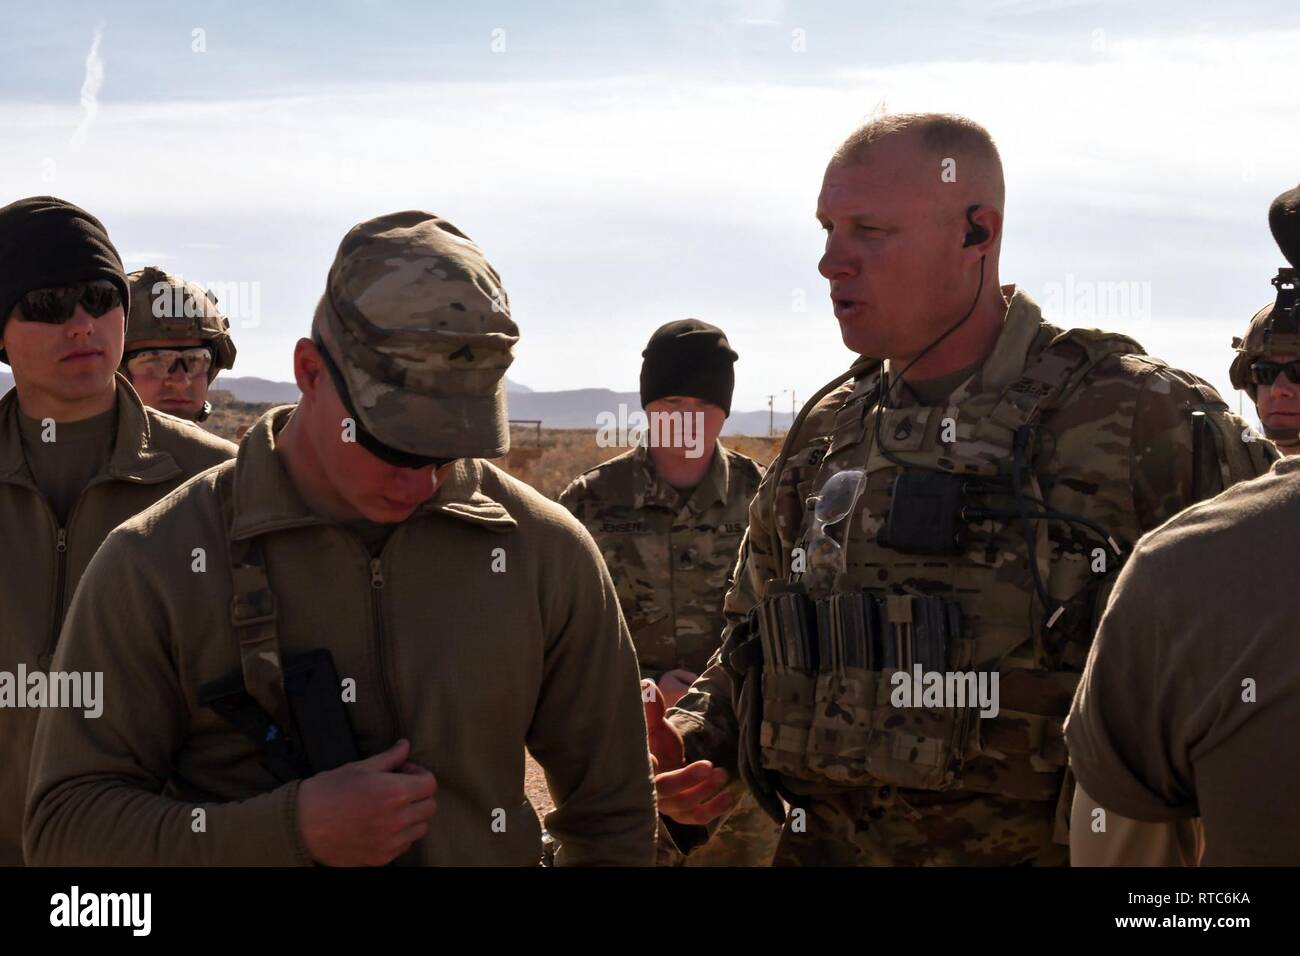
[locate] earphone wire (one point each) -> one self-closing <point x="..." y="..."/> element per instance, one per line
<point x="883" y="395"/>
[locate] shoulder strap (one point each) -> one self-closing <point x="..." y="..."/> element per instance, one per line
<point x="253" y="615"/>
<point x="863" y="366"/>
<point x="1050" y="377"/>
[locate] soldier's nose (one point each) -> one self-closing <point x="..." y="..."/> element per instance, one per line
<point x="833" y="265"/>
<point x="413" y="485"/>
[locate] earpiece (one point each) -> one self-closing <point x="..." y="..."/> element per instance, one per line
<point x="977" y="232"/>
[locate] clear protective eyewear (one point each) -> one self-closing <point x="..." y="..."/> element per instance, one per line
<point x="161" y="363"/>
<point x="833" y="503"/>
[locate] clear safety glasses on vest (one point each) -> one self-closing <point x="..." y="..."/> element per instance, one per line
<point x="1264" y="372"/>
<point x="835" y="502"/>
<point x="56" y="305"/>
<point x="385" y="453"/>
<point x="162" y="363"/>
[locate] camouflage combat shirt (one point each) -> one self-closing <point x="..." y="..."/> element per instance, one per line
<point x="1118" y="451"/>
<point x="670" y="560"/>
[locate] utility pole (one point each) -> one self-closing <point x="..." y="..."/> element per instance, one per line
<point x="771" y="413"/>
<point x="794" y="408"/>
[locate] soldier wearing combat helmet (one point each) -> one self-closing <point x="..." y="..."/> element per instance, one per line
<point x="1199" y="619"/>
<point x="177" y="341"/>
<point x="1267" y="366"/>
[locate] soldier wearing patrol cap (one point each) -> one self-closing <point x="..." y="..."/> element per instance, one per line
<point x="927" y="555"/>
<point x="383" y="623"/>
<point x="668" y="516"/>
<point x="177" y="342"/>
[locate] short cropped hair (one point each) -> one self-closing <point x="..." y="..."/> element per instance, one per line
<point x="942" y="134"/>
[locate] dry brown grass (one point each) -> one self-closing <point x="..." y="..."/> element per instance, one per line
<point x="548" y="465"/>
<point x="566" y="453"/>
<point x="231" y="418"/>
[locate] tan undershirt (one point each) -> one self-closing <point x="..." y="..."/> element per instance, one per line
<point x="932" y="391"/>
<point x="373" y="534"/>
<point x="63" y="466"/>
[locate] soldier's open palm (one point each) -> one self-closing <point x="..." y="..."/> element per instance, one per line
<point x="693" y="794"/>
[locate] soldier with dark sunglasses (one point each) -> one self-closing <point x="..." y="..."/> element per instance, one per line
<point x="1267" y="368"/>
<point x="79" y="453"/>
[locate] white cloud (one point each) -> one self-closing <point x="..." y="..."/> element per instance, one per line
<point x="145" y="258"/>
<point x="90" y="87"/>
<point x="617" y="204"/>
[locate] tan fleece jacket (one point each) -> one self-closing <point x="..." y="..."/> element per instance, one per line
<point x="41" y="562"/>
<point x="470" y="663"/>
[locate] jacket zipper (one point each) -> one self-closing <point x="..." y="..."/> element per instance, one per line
<point x="377" y="616"/>
<point x="60" y="584"/>
<point x="413" y="855"/>
<point x="61" y="572"/>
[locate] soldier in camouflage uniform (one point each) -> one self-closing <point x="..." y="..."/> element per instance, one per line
<point x="960" y="507"/>
<point x="177" y="341"/>
<point x="668" y="525"/>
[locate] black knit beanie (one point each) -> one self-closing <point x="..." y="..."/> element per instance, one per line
<point x="46" y="242"/>
<point x="690" y="358"/>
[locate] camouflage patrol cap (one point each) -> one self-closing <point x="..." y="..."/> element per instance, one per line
<point x="164" y="306"/>
<point x="417" y="321"/>
<point x="1260" y="340"/>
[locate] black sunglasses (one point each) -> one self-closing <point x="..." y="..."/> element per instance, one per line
<point x="54" y="306"/>
<point x="385" y="453"/>
<point x="1265" y="373"/>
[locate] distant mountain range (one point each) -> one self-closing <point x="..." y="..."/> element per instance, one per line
<point x="572" y="408"/>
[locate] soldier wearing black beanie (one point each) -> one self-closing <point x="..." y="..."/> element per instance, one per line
<point x="46" y="242"/>
<point x="79" y="455"/>
<point x="669" y="525"/>
<point x="689" y="358"/>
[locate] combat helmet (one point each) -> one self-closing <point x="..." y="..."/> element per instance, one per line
<point x="167" y="307"/>
<point x="1262" y="338"/>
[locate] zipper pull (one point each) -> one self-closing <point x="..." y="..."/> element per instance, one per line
<point x="376" y="574"/>
<point x="61" y="542"/>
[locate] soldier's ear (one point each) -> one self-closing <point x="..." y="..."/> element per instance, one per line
<point x="308" y="367"/>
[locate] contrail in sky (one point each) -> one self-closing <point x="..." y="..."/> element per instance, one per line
<point x="90" y="87"/>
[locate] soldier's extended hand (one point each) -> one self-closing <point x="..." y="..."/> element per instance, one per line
<point x="675" y="683"/>
<point x="693" y="794"/>
<point x="367" y="812"/>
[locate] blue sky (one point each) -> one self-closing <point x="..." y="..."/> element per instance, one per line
<point x="627" y="164"/>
